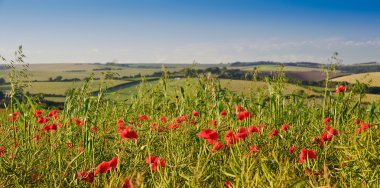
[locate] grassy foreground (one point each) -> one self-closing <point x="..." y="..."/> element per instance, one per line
<point x="205" y="136"/>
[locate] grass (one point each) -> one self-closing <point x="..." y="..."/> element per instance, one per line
<point x="34" y="156"/>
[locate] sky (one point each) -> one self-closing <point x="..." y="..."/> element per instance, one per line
<point x="183" y="31"/>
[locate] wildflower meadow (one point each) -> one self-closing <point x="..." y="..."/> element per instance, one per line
<point x="201" y="135"/>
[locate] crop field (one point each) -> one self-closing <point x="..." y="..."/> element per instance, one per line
<point x="205" y="136"/>
<point x="372" y="78"/>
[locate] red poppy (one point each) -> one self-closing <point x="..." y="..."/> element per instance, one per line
<point x="254" y="148"/>
<point x="213" y="123"/>
<point x="241" y="134"/>
<point x="173" y="126"/>
<point x="127" y="183"/>
<point x="243" y="115"/>
<point x="155" y="162"/>
<point x="181" y="119"/>
<point x="333" y="132"/>
<point x="217" y="146"/>
<point x="327" y="120"/>
<point x="86" y="176"/>
<point x="14" y="116"/>
<point x="273" y="133"/>
<point x="126" y="133"/>
<point x="208" y="134"/>
<point x="285" y="127"/>
<point x="51" y="127"/>
<point x="292" y="148"/>
<point x="223" y="113"/>
<point x="363" y="127"/>
<point x="2" y="150"/>
<point x="239" y="109"/>
<point x="357" y="121"/>
<point x="163" y="119"/>
<point x="105" y="166"/>
<point x="113" y="162"/>
<point x="253" y="129"/>
<point x="42" y="120"/>
<point x="94" y="128"/>
<point x="53" y="113"/>
<point x="195" y="113"/>
<point x="229" y="137"/>
<point x="68" y="145"/>
<point x="143" y="118"/>
<point x="340" y="88"/>
<point x="36" y="136"/>
<point x="37" y="113"/>
<point x="305" y="154"/>
<point x="326" y="137"/>
<point x="228" y="184"/>
<point x="120" y="120"/>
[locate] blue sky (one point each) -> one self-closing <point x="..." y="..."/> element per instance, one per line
<point x="180" y="31"/>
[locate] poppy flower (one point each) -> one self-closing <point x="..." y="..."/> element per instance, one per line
<point x="253" y="129"/>
<point x="105" y="166"/>
<point x="340" y="88"/>
<point x="292" y="148"/>
<point x="94" y="128"/>
<point x="113" y="162"/>
<point x="173" y="126"/>
<point x="208" y="134"/>
<point x="327" y="120"/>
<point x="14" y="116"/>
<point x="213" y="123"/>
<point x="36" y="136"/>
<point x="37" y="113"/>
<point x="51" y="127"/>
<point x="2" y="150"/>
<point x="195" y="113"/>
<point x="42" y="120"/>
<point x="217" y="146"/>
<point x="305" y="154"/>
<point x="242" y="115"/>
<point x="143" y="118"/>
<point x="254" y="148"/>
<point x="326" y="137"/>
<point x="363" y="127"/>
<point x="333" y="132"/>
<point x="127" y="183"/>
<point x="155" y="162"/>
<point x="223" y="113"/>
<point x="357" y="121"/>
<point x="228" y="184"/>
<point x="229" y="137"/>
<point x="120" y="120"/>
<point x="126" y="133"/>
<point x="53" y="113"/>
<point x="181" y="119"/>
<point x="86" y="176"/>
<point x="163" y="119"/>
<point x="68" y="145"/>
<point x="241" y="134"/>
<point x="273" y="133"/>
<point x="284" y="127"/>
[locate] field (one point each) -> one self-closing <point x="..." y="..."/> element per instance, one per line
<point x="372" y="78"/>
<point x="193" y="133"/>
